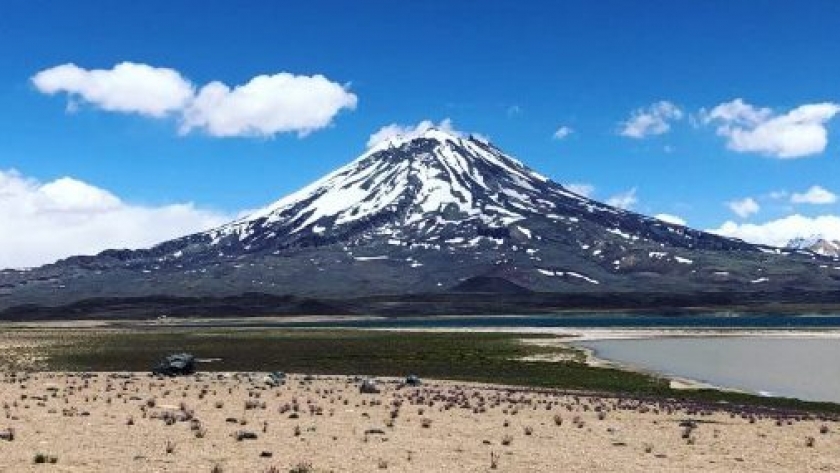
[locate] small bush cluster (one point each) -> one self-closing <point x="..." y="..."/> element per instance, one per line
<point x="45" y="458"/>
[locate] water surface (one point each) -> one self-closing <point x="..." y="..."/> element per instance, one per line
<point x="805" y="368"/>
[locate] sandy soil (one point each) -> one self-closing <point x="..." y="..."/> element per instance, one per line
<point x="118" y="422"/>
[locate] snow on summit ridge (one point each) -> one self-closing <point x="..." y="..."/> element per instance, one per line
<point x="398" y="137"/>
<point x="407" y="178"/>
<point x="434" y="187"/>
<point x="394" y="134"/>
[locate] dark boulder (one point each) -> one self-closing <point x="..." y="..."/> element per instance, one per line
<point x="368" y="386"/>
<point x="275" y="378"/>
<point x="179" y="364"/>
<point x="413" y="380"/>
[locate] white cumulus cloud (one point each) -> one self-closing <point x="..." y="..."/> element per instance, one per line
<point x="264" y="106"/>
<point x="744" y="207"/>
<point x="127" y="87"/>
<point x="798" y="133"/>
<point x="267" y="105"/>
<point x="563" y="132"/>
<point x="655" y="119"/>
<point x="816" y="195"/>
<point x="624" y="200"/>
<point x="779" y="232"/>
<point x="42" y="222"/>
<point x="673" y="219"/>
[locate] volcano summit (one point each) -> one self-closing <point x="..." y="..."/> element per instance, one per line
<point x="435" y="222"/>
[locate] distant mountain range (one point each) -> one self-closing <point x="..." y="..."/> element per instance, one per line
<point x="817" y="244"/>
<point x="434" y="223"/>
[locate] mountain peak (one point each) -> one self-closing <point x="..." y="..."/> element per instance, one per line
<point x="407" y="179"/>
<point x="433" y="187"/>
<point x="432" y="132"/>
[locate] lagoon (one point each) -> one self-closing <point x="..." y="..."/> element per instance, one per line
<point x="770" y="354"/>
<point x="804" y="368"/>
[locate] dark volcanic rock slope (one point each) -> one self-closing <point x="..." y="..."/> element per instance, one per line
<point x="435" y="213"/>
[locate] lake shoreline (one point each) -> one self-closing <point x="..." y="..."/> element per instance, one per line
<point x="766" y="364"/>
<point x="486" y="354"/>
<point x="575" y="334"/>
<point x="573" y="337"/>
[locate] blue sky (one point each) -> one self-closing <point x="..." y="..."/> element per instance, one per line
<point x="647" y="90"/>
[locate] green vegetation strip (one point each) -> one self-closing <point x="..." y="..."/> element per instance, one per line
<point x="480" y="357"/>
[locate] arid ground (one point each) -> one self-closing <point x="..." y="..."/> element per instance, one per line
<point x="81" y="399"/>
<point x="237" y="423"/>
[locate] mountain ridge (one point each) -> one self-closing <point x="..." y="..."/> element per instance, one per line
<point x="427" y="214"/>
<point x="817" y="244"/>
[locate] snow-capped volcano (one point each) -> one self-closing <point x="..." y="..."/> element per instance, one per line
<point x="415" y="184"/>
<point x="422" y="188"/>
<point x="428" y="215"/>
<point x="408" y="179"/>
